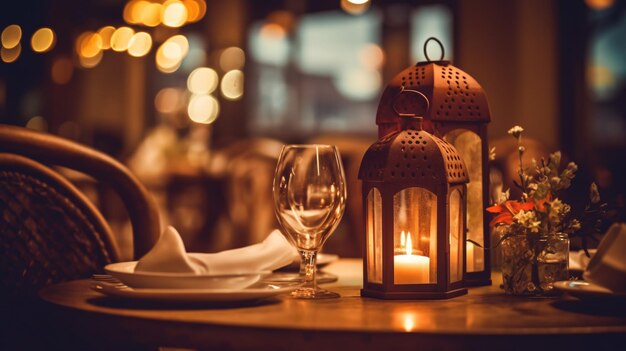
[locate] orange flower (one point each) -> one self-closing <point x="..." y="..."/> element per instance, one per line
<point x="507" y="210"/>
<point x="540" y="204"/>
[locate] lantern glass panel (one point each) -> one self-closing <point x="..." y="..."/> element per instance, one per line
<point x="374" y="237"/>
<point x="456" y="236"/>
<point x="469" y="146"/>
<point x="415" y="236"/>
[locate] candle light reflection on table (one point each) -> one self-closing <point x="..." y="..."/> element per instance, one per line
<point x="409" y="268"/>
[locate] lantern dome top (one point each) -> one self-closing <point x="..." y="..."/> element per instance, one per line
<point x="413" y="155"/>
<point x="454" y="95"/>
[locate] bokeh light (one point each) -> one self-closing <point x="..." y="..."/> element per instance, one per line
<point x="121" y="38"/>
<point x="143" y="12"/>
<point x="43" y="40"/>
<point x="163" y="58"/>
<point x="203" y="109"/>
<point x="90" y="62"/>
<point x="358" y="83"/>
<point x="272" y="31"/>
<point x="355" y="7"/>
<point x="270" y="45"/>
<point x="283" y="18"/>
<point x="232" y="58"/>
<point x="196" y="9"/>
<point x="140" y="44"/>
<point x="37" y="123"/>
<point x="202" y="80"/>
<point x="62" y="70"/>
<point x="170" y="54"/>
<point x="105" y="34"/>
<point x="88" y="45"/>
<point x="372" y="56"/>
<point x="10" y="55"/>
<point x="151" y="15"/>
<point x="599" y="5"/>
<point x="130" y="15"/>
<point x="232" y="84"/>
<point x="182" y="42"/>
<point x="11" y="36"/>
<point x="174" y="13"/>
<point x="168" y="100"/>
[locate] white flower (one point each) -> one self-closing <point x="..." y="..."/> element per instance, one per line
<point x="558" y="210"/>
<point x="504" y="196"/>
<point x="528" y="220"/>
<point x="556" y="206"/>
<point x="516" y="131"/>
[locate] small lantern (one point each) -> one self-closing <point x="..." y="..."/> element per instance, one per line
<point x="459" y="114"/>
<point x="414" y="187"/>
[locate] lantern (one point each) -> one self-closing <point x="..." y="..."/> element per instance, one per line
<point x="459" y="114"/>
<point x="414" y="190"/>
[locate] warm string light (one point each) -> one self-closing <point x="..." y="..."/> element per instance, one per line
<point x="139" y="44"/>
<point x="202" y="80"/>
<point x="171" y="53"/>
<point x="354" y="7"/>
<point x="42" y="40"/>
<point x="90" y="45"/>
<point x="11" y="36"/>
<point x="232" y="85"/>
<point x="171" y="13"/>
<point x="10" y="55"/>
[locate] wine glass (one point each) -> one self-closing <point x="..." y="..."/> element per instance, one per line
<point x="309" y="199"/>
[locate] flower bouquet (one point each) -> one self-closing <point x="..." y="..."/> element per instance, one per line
<point x="534" y="230"/>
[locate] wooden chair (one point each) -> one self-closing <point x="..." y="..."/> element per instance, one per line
<point x="49" y="231"/>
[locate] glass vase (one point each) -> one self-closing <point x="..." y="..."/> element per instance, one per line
<point x="531" y="263"/>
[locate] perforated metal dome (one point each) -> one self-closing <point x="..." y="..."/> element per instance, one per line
<point x="454" y="96"/>
<point x="413" y="154"/>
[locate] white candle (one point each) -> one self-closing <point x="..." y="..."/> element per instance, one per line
<point x="409" y="268"/>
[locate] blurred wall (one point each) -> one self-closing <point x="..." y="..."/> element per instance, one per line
<point x="510" y="47"/>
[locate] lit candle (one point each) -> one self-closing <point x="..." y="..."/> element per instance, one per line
<point x="409" y="268"/>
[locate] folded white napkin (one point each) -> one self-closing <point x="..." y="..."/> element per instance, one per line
<point x="578" y="260"/>
<point x="169" y="256"/>
<point x="607" y="267"/>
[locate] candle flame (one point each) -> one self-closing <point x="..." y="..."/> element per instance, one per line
<point x="409" y="244"/>
<point x="402" y="239"/>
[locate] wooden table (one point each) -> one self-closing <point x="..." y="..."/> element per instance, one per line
<point x="483" y="319"/>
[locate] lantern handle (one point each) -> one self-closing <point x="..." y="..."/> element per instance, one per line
<point x="410" y="91"/>
<point x="443" y="53"/>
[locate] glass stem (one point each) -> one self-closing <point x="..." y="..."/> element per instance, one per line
<point x="307" y="269"/>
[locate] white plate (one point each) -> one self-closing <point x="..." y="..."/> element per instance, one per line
<point x="587" y="290"/>
<point x="256" y="292"/>
<point x="325" y="259"/>
<point x="125" y="271"/>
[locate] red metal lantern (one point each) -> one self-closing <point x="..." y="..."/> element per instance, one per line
<point x="414" y="188"/>
<point x="459" y="114"/>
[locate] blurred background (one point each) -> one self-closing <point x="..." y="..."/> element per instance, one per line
<point x="197" y="97"/>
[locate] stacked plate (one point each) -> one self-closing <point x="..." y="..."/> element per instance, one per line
<point x="180" y="287"/>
